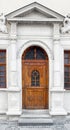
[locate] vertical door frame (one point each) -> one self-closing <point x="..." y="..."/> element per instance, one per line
<point x="49" y="52"/>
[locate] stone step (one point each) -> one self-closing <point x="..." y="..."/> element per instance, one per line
<point x="43" y="111"/>
<point x="35" y="121"/>
<point x="35" y="118"/>
<point x="35" y="113"/>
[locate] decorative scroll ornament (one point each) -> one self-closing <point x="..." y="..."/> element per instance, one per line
<point x="3" y="27"/>
<point x="66" y="24"/>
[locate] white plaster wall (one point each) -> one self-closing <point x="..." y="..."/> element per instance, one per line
<point x="23" y="41"/>
<point x="3" y="101"/>
<point x="34" y="30"/>
<point x="67" y="100"/>
<point x="14" y="101"/>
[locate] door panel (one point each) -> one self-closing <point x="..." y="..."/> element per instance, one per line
<point x="34" y="97"/>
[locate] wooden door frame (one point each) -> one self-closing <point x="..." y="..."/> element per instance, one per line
<point x="48" y="79"/>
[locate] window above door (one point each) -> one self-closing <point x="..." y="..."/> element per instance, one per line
<point x="34" y="53"/>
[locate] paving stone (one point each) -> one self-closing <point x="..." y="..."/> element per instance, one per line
<point x="59" y="123"/>
<point x="12" y="128"/>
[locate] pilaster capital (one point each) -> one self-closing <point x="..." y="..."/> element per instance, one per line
<point x="56" y="32"/>
<point x="13" y="31"/>
<point x="13" y="38"/>
<point x="56" y="38"/>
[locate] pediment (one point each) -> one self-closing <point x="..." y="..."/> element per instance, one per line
<point x="34" y="11"/>
<point x="34" y="14"/>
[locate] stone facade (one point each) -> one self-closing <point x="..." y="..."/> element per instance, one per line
<point x="39" y="26"/>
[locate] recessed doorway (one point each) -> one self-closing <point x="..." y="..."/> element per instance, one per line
<point x="35" y="82"/>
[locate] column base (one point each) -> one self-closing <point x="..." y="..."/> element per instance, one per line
<point x="58" y="112"/>
<point x="13" y="113"/>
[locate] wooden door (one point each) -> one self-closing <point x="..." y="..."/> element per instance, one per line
<point x="34" y="84"/>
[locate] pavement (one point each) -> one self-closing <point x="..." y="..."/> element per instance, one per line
<point x="59" y="123"/>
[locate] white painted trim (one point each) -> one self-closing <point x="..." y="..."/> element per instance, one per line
<point x="35" y="20"/>
<point x="35" y="43"/>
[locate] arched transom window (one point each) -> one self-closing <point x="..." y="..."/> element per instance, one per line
<point x="34" y="53"/>
<point x="35" y="78"/>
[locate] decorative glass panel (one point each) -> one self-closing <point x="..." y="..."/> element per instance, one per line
<point x="29" y="54"/>
<point x="35" y="78"/>
<point x="35" y="53"/>
<point x="40" y="54"/>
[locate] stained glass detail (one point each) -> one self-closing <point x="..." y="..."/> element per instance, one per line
<point x="29" y="54"/>
<point x="35" y="53"/>
<point x="35" y="78"/>
<point x="40" y="54"/>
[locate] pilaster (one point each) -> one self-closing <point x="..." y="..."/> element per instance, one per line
<point x="13" y="40"/>
<point x="57" y="91"/>
<point x="14" y="93"/>
<point x="56" y="40"/>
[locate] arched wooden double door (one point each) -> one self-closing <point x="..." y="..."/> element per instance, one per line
<point x="34" y="79"/>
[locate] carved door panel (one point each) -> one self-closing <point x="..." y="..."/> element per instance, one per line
<point x="35" y="84"/>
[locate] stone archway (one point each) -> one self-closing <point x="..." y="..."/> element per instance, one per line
<point x="48" y="51"/>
